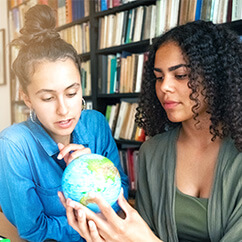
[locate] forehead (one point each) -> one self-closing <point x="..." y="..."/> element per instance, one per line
<point x="55" y="74"/>
<point x="169" y="54"/>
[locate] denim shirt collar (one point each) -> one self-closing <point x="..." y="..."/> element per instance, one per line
<point x="79" y="136"/>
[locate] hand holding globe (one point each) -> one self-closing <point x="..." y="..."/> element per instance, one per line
<point x="91" y="173"/>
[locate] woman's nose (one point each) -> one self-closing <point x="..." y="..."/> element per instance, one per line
<point x="62" y="108"/>
<point x="166" y="85"/>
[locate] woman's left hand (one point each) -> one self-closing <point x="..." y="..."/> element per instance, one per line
<point x="77" y="219"/>
<point x="71" y="152"/>
<point x="107" y="226"/>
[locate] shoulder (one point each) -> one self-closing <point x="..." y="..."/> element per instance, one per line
<point x="91" y="123"/>
<point x="91" y="116"/>
<point x="161" y="141"/>
<point x="16" y="132"/>
<point x="230" y="157"/>
<point x="16" y="139"/>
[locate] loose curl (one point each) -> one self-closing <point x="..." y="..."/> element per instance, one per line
<point x="214" y="54"/>
<point x="39" y="41"/>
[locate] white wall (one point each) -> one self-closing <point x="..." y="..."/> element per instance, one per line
<point x="5" y="103"/>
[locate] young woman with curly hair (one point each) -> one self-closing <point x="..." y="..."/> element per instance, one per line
<point x="189" y="179"/>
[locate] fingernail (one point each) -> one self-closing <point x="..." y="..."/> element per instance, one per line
<point x="69" y="202"/>
<point x="91" y="195"/>
<point x="91" y="224"/>
<point x="59" y="157"/>
<point x="80" y="213"/>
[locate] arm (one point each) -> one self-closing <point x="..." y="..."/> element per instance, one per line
<point x="108" y="226"/>
<point x="20" y="200"/>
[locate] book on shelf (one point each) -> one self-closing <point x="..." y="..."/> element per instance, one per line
<point x="102" y="73"/>
<point x="172" y="12"/>
<point x="161" y="9"/>
<point x="123" y="110"/>
<point x="128" y="27"/>
<point x="236" y="10"/>
<point x="121" y="119"/>
<point x="86" y="78"/>
<point x="78" y="36"/>
<point x="139" y="20"/>
<point x="119" y="28"/>
<point x="61" y="12"/>
<point x="129" y="123"/>
<point x="121" y="73"/>
<point x="147" y="22"/>
<point x="142" y="58"/>
<point x="103" y="5"/>
<point x="113" y="116"/>
<point x="129" y="163"/>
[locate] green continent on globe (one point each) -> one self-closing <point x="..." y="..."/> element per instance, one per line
<point x="105" y="166"/>
<point x="84" y="200"/>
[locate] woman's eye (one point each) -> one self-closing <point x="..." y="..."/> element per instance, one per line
<point x="160" y="78"/>
<point x="71" y="94"/>
<point x="47" y="99"/>
<point x="181" y="77"/>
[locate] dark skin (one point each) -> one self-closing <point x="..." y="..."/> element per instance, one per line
<point x="196" y="154"/>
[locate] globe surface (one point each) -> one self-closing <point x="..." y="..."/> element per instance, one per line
<point x="91" y="173"/>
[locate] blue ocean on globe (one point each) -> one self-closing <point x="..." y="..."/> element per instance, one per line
<point x="91" y="173"/>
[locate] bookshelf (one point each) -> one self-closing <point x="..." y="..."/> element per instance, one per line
<point x="85" y="32"/>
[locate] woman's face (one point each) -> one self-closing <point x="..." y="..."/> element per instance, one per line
<point x="171" y="72"/>
<point x="55" y="95"/>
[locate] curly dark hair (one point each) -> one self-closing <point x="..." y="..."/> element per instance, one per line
<point x="214" y="53"/>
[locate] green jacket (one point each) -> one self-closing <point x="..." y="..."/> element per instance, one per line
<point x="156" y="189"/>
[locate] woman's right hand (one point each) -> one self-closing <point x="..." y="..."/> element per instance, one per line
<point x="71" y="152"/>
<point x="108" y="226"/>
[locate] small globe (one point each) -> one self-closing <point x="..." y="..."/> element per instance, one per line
<point x="91" y="173"/>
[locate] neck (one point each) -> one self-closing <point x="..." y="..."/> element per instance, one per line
<point x="197" y="134"/>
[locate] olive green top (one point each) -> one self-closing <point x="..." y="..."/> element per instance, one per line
<point x="191" y="217"/>
<point x="155" y="198"/>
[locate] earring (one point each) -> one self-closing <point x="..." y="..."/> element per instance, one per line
<point x="83" y="104"/>
<point x="32" y="115"/>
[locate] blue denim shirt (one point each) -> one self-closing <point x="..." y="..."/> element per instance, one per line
<point x="30" y="175"/>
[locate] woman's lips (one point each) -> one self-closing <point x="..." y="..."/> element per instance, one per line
<point x="170" y="104"/>
<point x="64" y="124"/>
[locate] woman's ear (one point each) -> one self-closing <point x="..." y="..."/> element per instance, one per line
<point x="25" y="98"/>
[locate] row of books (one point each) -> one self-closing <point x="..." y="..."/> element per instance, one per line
<point x="16" y="17"/>
<point x="78" y="36"/>
<point x="121" y="73"/>
<point x="121" y="119"/>
<point x="217" y="11"/>
<point x="127" y="26"/>
<point x="71" y="10"/>
<point x="15" y="3"/>
<point x="102" y="5"/>
<point x="129" y="163"/>
<point x="148" y="22"/>
<point x="66" y="11"/>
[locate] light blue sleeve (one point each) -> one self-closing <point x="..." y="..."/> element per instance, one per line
<point x="20" y="202"/>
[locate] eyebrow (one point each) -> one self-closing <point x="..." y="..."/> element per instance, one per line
<point x="172" y="68"/>
<point x="74" y="85"/>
